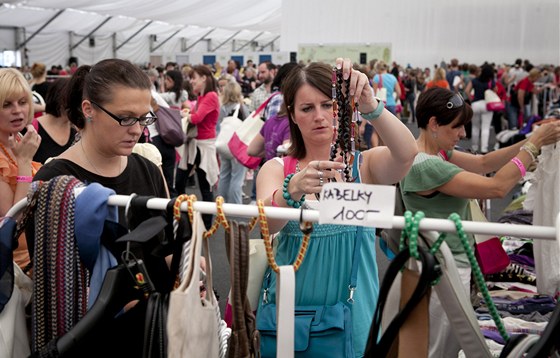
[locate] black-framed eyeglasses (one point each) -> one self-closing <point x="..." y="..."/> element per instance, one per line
<point x="456" y="101"/>
<point x="146" y="120"/>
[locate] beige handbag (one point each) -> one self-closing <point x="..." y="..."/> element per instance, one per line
<point x="192" y="327"/>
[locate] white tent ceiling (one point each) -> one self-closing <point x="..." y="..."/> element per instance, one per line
<point x="54" y="30"/>
<point x="192" y="17"/>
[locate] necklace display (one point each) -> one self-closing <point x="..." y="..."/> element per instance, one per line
<point x="93" y="166"/>
<point x="346" y="112"/>
<point x="8" y="154"/>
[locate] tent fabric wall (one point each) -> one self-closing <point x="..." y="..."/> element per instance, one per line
<point x="421" y="33"/>
<point x="424" y="33"/>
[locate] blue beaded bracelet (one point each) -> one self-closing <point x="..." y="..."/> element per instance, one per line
<point x="291" y="202"/>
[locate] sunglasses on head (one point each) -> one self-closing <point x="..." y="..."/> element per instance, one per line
<point x="456" y="101"/>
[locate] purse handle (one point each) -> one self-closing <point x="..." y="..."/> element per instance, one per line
<point x="265" y="103"/>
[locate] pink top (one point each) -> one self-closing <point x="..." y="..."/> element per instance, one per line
<point x="205" y="115"/>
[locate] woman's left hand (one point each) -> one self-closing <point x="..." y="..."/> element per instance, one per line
<point x="359" y="85"/>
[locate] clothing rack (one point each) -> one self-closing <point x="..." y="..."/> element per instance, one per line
<point x="427" y="224"/>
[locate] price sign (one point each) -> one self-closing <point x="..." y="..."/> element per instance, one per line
<point x="357" y="204"/>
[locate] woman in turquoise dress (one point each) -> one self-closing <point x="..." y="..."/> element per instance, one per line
<point x="324" y="275"/>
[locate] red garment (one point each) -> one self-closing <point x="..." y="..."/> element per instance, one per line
<point x="525" y="84"/>
<point x="501" y="91"/>
<point x="205" y="115"/>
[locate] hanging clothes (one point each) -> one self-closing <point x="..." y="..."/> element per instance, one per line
<point x="546" y="193"/>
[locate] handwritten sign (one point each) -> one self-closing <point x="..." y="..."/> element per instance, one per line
<point x="357" y="204"/>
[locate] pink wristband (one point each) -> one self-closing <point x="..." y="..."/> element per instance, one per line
<point x="272" y="202"/>
<point x="520" y="165"/>
<point x="24" y="179"/>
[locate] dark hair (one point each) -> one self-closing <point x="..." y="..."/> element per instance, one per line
<point x="281" y="75"/>
<point x="177" y="78"/>
<point x="96" y="83"/>
<point x="269" y="65"/>
<point x="317" y="75"/>
<point x="433" y="103"/>
<point x="486" y="73"/>
<point x="211" y="82"/>
<point x="55" y="97"/>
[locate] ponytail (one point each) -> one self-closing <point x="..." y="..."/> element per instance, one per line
<point x="74" y="96"/>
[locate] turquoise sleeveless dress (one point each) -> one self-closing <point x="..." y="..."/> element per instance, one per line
<point x="324" y="275"/>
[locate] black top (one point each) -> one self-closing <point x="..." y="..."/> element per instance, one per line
<point x="48" y="147"/>
<point x="141" y="177"/>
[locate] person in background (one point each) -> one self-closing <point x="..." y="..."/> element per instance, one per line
<point x="276" y="129"/>
<point x="520" y="97"/>
<point x="454" y="76"/>
<point x="110" y="104"/>
<point x="16" y="151"/>
<point x="232" y="172"/>
<point x="390" y="83"/>
<point x="55" y="129"/>
<point x="248" y="82"/>
<point x="174" y="93"/>
<point x="482" y="118"/>
<point x="442" y="180"/>
<point x="267" y="71"/>
<point x="323" y="276"/>
<point x="233" y="69"/>
<point x="200" y="154"/>
<point x="39" y="82"/>
<point x="438" y="80"/>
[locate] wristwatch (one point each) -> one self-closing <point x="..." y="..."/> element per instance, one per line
<point x="375" y="114"/>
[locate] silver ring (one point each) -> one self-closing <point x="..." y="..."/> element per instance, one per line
<point x="320" y="174"/>
<point x="321" y="181"/>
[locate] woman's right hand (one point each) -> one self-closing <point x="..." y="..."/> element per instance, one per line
<point x="312" y="178"/>
<point x="545" y="134"/>
<point x="25" y="149"/>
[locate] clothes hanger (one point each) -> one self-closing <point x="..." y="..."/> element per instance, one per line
<point x="122" y="284"/>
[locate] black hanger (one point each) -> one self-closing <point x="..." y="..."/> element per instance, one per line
<point x="118" y="289"/>
<point x="122" y="284"/>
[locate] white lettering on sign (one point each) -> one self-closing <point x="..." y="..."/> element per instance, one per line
<point x="357" y="204"/>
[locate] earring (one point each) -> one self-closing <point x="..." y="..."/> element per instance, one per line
<point x="434" y="135"/>
<point x="88" y="119"/>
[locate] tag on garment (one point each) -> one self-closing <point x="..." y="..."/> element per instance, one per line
<point x="357" y="204"/>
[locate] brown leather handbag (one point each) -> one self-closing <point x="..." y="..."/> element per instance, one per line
<point x="245" y="338"/>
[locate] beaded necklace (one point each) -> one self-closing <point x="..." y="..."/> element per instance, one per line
<point x="345" y="111"/>
<point x="8" y="154"/>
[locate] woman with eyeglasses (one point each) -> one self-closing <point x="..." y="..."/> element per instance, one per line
<point x="110" y="104"/>
<point x="443" y="179"/>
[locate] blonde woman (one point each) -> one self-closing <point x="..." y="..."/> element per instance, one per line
<point x="16" y="152"/>
<point x="439" y="79"/>
<point x="232" y="172"/>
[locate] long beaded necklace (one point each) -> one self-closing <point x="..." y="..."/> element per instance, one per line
<point x="345" y="111"/>
<point x="8" y="154"/>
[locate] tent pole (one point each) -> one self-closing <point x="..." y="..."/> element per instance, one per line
<point x="41" y="28"/>
<point x="134" y="35"/>
<point x="248" y="42"/>
<point x="92" y="32"/>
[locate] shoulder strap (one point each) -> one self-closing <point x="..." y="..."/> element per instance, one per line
<point x="35" y="123"/>
<point x="265" y="103"/>
<point x="355" y="264"/>
<point x="289" y="165"/>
